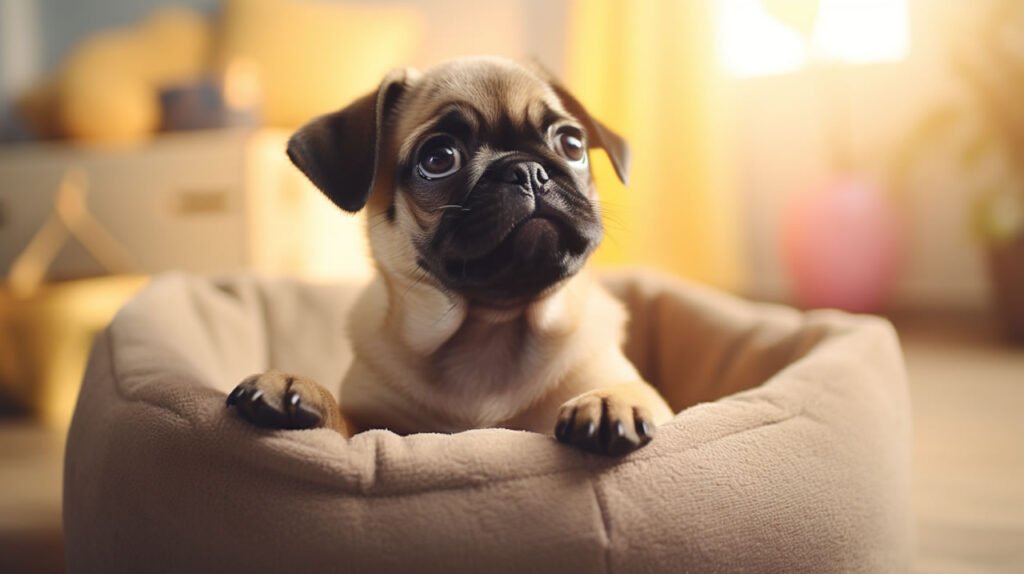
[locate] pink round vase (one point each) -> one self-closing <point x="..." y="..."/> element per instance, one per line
<point x="841" y="246"/>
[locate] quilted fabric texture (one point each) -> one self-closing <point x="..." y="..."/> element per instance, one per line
<point x="789" y="452"/>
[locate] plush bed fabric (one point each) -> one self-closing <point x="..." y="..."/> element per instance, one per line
<point x="789" y="453"/>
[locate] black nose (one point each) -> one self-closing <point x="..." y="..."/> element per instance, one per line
<point x="529" y="175"/>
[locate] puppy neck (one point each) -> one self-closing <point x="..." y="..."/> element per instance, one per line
<point x="422" y="316"/>
<point x="425" y="317"/>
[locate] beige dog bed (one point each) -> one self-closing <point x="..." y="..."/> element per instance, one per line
<point x="790" y="452"/>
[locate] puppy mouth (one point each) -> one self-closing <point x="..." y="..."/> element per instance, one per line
<point x="540" y="235"/>
<point x="538" y="249"/>
<point x="545" y="227"/>
<point x="532" y="237"/>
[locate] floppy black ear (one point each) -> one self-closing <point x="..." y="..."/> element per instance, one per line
<point x="601" y="136"/>
<point x="340" y="151"/>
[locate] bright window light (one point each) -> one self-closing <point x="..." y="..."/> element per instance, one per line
<point x="768" y="37"/>
<point x="861" y="31"/>
<point x="753" y="43"/>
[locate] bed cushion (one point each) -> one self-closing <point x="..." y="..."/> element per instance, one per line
<point x="789" y="452"/>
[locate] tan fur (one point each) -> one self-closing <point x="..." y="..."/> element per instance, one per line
<point x="429" y="360"/>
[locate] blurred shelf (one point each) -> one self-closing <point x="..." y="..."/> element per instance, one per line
<point x="204" y="201"/>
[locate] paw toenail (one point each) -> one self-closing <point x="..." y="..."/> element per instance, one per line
<point x="235" y="394"/>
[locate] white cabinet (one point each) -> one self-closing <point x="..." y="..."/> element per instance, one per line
<point x="201" y="202"/>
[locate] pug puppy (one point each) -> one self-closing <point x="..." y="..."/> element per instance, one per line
<point x="482" y="212"/>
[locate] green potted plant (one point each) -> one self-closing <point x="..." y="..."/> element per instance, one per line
<point x="994" y="74"/>
<point x="989" y="63"/>
<point x="999" y="219"/>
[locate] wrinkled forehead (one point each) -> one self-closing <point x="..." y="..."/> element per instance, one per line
<point x="478" y="98"/>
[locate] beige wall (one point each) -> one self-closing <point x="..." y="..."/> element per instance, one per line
<point x="518" y="29"/>
<point x="781" y="136"/>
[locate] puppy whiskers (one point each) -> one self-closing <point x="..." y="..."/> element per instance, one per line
<point x="418" y="276"/>
<point x="448" y="207"/>
<point x="445" y="314"/>
<point x="381" y="218"/>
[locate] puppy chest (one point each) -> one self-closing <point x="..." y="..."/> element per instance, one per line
<point x="496" y="370"/>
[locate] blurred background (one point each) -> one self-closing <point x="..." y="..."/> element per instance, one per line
<point x="865" y="155"/>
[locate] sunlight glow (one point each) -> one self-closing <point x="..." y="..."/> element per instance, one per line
<point x="753" y="43"/>
<point x="768" y="37"/>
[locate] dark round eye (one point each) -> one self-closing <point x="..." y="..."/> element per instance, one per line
<point x="569" y="142"/>
<point x="439" y="157"/>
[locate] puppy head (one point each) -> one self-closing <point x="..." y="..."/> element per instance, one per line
<point x="476" y="176"/>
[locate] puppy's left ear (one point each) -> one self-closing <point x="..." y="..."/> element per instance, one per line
<point x="340" y="151"/>
<point x="601" y="136"/>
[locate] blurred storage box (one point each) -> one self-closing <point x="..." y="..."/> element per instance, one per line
<point x="199" y="201"/>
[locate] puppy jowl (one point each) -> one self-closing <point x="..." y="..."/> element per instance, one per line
<point x="476" y="178"/>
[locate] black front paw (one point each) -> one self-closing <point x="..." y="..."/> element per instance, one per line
<point x="604" y="424"/>
<point x="278" y="401"/>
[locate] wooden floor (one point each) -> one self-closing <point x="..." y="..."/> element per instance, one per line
<point x="968" y="399"/>
<point x="31" y="459"/>
<point x="968" y="396"/>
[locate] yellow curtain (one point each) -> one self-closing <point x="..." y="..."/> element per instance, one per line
<point x="646" y="68"/>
